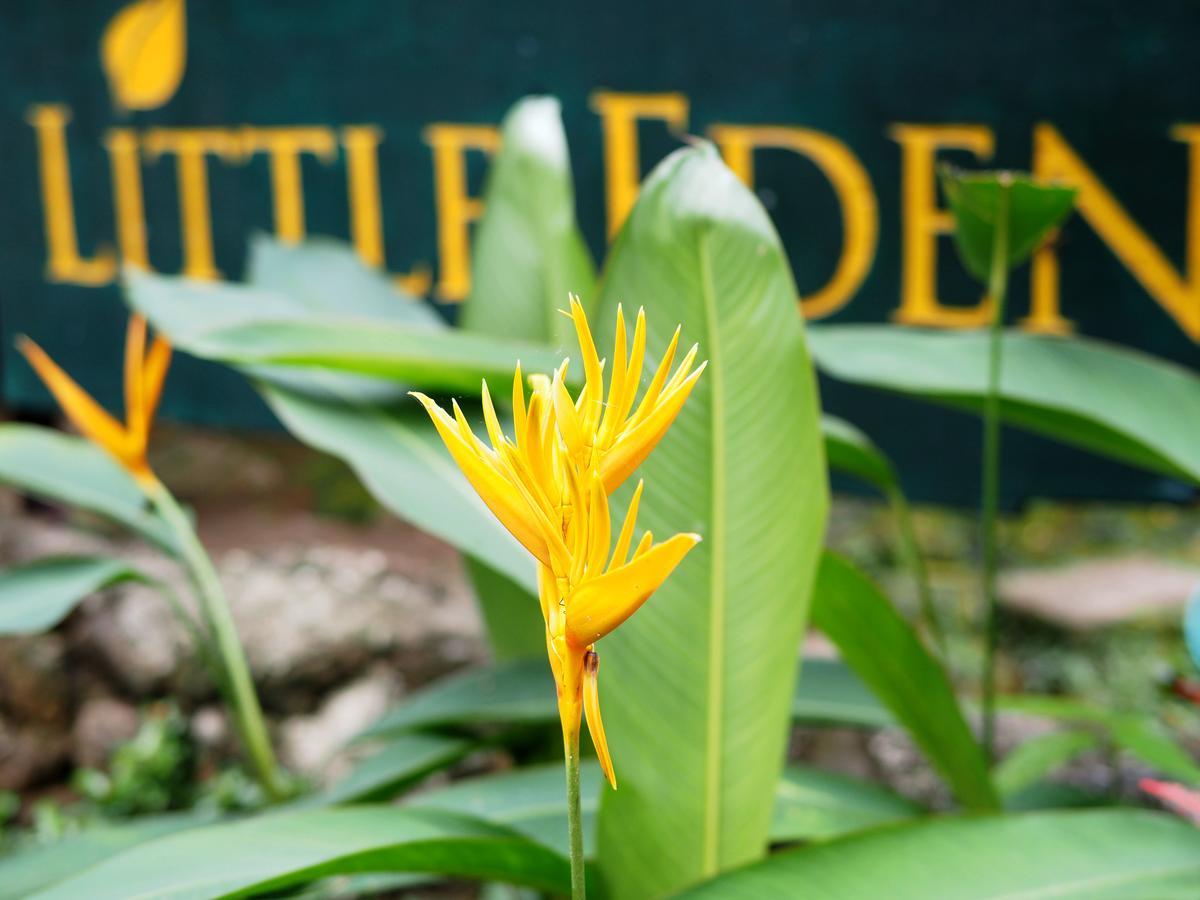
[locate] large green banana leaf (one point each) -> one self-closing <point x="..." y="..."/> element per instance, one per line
<point x="1110" y="400"/>
<point x="269" y="853"/>
<point x="528" y="253"/>
<point x="696" y="686"/>
<point x="1112" y="854"/>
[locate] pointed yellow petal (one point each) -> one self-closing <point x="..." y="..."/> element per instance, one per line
<point x="158" y="361"/>
<point x="86" y="414"/>
<point x="650" y="398"/>
<point x="591" y="708"/>
<point x="599" y="605"/>
<point x="635" y="445"/>
<point x="569" y="427"/>
<point x="547" y="590"/>
<point x="681" y="372"/>
<point x="592" y="373"/>
<point x="637" y="357"/>
<point x="465" y="432"/>
<point x="644" y="544"/>
<point x="498" y="494"/>
<point x="621" y="553"/>
<point x="518" y="404"/>
<point x="600" y="528"/>
<point x="135" y="370"/>
<point x="620" y="372"/>
<point x="495" y="434"/>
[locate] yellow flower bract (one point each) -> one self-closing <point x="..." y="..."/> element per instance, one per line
<point x="549" y="486"/>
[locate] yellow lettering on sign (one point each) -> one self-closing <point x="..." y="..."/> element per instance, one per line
<point x="1178" y="295"/>
<point x="130" y="209"/>
<point x="366" y="212"/>
<point x="284" y="147"/>
<point x="619" y="117"/>
<point x="851" y="183"/>
<point x="456" y="210"/>
<point x="190" y="146"/>
<point x="923" y="221"/>
<point x="63" y="264"/>
<point x="362" y="187"/>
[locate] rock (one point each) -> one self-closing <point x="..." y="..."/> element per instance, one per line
<point x="309" y="744"/>
<point x="146" y="649"/>
<point x="315" y="603"/>
<point x="315" y="615"/>
<point x="101" y="724"/>
<point x="210" y="729"/>
<point x="1100" y="592"/>
<point x="33" y="680"/>
<point x="841" y="750"/>
<point x="30" y="755"/>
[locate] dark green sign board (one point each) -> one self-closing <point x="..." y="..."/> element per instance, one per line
<point x="373" y="121"/>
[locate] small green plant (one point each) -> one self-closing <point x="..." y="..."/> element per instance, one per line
<point x="152" y="773"/>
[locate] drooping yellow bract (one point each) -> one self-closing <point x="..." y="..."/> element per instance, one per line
<point x="549" y="486"/>
<point x="145" y="372"/>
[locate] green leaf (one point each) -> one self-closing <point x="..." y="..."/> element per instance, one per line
<point x="1135" y="733"/>
<point x="1150" y="742"/>
<point x="813" y="805"/>
<point x="827" y="691"/>
<point x="433" y="359"/>
<point x="322" y="277"/>
<point x="521" y="692"/>
<point x="404" y="465"/>
<point x="72" y="471"/>
<point x="530" y="800"/>
<point x="883" y="650"/>
<point x="514" y="693"/>
<point x="1034" y="210"/>
<point x="399" y="764"/>
<point x="853" y="453"/>
<point x="28" y="870"/>
<point x="314" y="281"/>
<point x="1110" y="400"/>
<point x="257" y="329"/>
<point x="275" y="851"/>
<point x="511" y="613"/>
<point x="810" y="804"/>
<point x="39" y="595"/>
<point x="1088" y="855"/>
<point x="701" y="676"/>
<point x="1037" y="757"/>
<point x="527" y="253"/>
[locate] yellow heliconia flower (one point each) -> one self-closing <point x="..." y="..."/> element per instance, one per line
<point x="145" y="372"/>
<point x="549" y="486"/>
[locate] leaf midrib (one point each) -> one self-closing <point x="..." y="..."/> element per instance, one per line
<point x="716" y="630"/>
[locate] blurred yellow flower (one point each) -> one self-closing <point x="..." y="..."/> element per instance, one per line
<point x="145" y="372"/>
<point x="549" y="486"/>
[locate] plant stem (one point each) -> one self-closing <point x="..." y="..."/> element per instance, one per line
<point x="989" y="503"/>
<point x="910" y="549"/>
<point x="228" y="647"/>
<point x="575" y="817"/>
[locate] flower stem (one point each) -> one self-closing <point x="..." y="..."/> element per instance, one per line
<point x="239" y="686"/>
<point x="989" y="501"/>
<point x="575" y="817"/>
